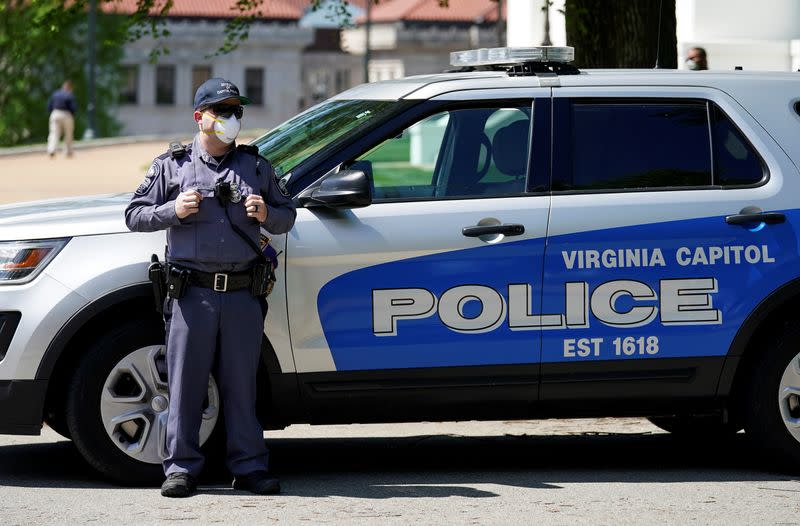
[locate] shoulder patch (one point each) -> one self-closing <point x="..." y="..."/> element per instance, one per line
<point x="149" y="179"/>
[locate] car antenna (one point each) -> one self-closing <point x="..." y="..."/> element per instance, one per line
<point x="658" y="43"/>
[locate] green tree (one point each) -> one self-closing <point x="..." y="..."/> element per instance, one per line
<point x="622" y="33"/>
<point x="41" y="45"/>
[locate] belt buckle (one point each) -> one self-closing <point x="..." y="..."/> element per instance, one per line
<point x="223" y="278"/>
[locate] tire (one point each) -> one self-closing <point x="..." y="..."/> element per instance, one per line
<point x="770" y="406"/>
<point x="116" y="404"/>
<point x="695" y="426"/>
<point x="58" y="423"/>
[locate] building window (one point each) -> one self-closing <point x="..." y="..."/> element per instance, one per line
<point x="129" y="90"/>
<point x="254" y="85"/>
<point x="342" y="80"/>
<point x="319" y="83"/>
<point x="200" y="74"/>
<point x="385" y="69"/>
<point x="165" y="85"/>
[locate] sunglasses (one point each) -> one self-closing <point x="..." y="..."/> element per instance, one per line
<point x="226" y="110"/>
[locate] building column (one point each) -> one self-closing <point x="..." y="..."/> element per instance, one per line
<point x="525" y="25"/>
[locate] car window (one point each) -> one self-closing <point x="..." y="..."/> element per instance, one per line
<point x="322" y="126"/>
<point x="476" y="152"/>
<point x="736" y="163"/>
<point x="633" y="145"/>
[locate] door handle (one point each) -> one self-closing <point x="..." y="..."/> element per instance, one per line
<point x="770" y="218"/>
<point x="511" y="229"/>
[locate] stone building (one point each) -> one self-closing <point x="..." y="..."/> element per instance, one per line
<point x="293" y="58"/>
<point x="283" y="66"/>
<point x="413" y="37"/>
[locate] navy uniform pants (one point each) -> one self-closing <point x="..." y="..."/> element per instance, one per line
<point x="220" y="332"/>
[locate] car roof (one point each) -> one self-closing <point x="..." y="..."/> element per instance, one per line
<point x="429" y="86"/>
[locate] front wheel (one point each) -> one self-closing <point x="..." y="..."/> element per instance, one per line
<point x="772" y="409"/>
<point x="117" y="404"/>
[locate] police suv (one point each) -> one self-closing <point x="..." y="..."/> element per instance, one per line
<point x="515" y="238"/>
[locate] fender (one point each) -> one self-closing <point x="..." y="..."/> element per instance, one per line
<point x="82" y="317"/>
<point x="764" y="310"/>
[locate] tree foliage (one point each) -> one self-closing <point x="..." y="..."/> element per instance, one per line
<point x="43" y="43"/>
<point x="622" y="33"/>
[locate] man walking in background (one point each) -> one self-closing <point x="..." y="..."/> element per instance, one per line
<point x="61" y="108"/>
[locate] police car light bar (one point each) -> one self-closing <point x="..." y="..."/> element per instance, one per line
<point x="498" y="56"/>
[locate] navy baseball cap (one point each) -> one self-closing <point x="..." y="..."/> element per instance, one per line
<point x="215" y="90"/>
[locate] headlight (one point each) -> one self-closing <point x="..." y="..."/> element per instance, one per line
<point x="21" y="261"/>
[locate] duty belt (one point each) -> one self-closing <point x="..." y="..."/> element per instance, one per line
<point x="221" y="282"/>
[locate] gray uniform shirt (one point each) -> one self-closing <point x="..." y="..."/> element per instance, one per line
<point x="206" y="241"/>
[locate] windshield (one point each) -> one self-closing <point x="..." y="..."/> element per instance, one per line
<point x="302" y="136"/>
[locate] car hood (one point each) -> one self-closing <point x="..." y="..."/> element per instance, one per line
<point x="66" y="217"/>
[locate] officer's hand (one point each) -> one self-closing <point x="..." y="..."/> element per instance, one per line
<point x="256" y="208"/>
<point x="187" y="203"/>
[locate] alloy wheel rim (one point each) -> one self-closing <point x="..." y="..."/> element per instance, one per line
<point x="789" y="397"/>
<point x="134" y="405"/>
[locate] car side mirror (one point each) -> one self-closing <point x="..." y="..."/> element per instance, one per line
<point x="344" y="189"/>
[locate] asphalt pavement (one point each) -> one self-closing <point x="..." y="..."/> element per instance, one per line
<point x="595" y="471"/>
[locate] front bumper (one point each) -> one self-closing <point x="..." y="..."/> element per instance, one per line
<point x="21" y="403"/>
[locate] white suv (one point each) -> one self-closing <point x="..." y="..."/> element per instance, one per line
<point x="514" y="239"/>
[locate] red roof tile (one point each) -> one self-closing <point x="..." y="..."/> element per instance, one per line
<point x="431" y="11"/>
<point x="270" y="9"/>
<point x="303" y="4"/>
<point x="384" y="11"/>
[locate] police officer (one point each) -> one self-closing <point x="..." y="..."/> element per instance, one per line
<point x="211" y="197"/>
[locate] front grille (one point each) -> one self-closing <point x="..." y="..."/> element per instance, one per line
<point x="8" y="324"/>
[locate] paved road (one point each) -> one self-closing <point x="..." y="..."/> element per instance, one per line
<point x="604" y="471"/>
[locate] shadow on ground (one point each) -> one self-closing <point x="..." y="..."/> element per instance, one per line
<point x="438" y="465"/>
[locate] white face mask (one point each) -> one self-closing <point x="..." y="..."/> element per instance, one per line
<point x="691" y="64"/>
<point x="226" y="130"/>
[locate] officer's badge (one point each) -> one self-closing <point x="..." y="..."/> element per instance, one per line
<point x="149" y="179"/>
<point x="236" y="193"/>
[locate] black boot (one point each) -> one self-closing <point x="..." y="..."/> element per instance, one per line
<point x="178" y="485"/>
<point x="258" y="482"/>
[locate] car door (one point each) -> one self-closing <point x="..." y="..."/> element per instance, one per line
<point x="400" y="295"/>
<point x="654" y="259"/>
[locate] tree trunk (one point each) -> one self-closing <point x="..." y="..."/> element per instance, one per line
<point x="621" y="33"/>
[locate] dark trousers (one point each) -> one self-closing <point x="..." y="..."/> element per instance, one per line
<point x="219" y="331"/>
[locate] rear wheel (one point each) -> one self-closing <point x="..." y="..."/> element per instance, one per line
<point x="117" y="404"/>
<point x="772" y="408"/>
